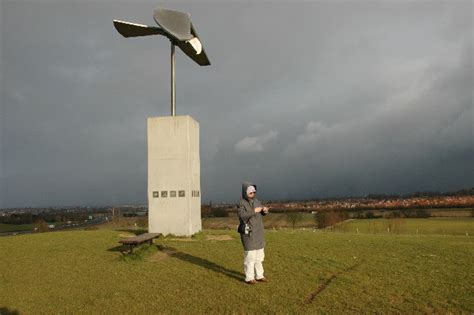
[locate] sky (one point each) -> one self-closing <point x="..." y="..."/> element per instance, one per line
<point x="310" y="99"/>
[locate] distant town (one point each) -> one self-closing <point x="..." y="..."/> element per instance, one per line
<point x="419" y="200"/>
<point x="381" y="202"/>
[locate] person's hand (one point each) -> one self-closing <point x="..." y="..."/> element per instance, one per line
<point x="259" y="209"/>
<point x="265" y="209"/>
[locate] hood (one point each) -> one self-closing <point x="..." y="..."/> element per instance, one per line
<point x="244" y="189"/>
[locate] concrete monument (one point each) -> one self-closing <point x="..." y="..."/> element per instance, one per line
<point x="174" y="172"/>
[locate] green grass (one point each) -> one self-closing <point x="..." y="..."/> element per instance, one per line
<point x="15" y="227"/>
<point x="85" y="272"/>
<point x="24" y="227"/>
<point x="439" y="226"/>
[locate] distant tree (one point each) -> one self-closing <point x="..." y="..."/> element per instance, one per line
<point x="422" y="213"/>
<point x="41" y="226"/>
<point x="325" y="219"/>
<point x="219" y="212"/>
<point x="142" y="222"/>
<point x="369" y="215"/>
<point x="206" y="211"/>
<point x="426" y="194"/>
<point x="417" y="213"/>
<point x="464" y="192"/>
<point x="26" y="218"/>
<point x="293" y="218"/>
<point x="393" y="215"/>
<point x="376" y="196"/>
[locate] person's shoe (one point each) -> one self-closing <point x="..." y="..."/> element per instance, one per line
<point x="251" y="281"/>
<point x="262" y="280"/>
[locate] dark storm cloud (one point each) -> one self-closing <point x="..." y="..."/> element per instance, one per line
<point x="309" y="99"/>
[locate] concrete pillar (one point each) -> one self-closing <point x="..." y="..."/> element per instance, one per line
<point x="174" y="175"/>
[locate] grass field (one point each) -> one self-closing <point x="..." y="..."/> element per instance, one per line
<point x="24" y="227"/>
<point x="439" y="226"/>
<point x="15" y="227"/>
<point x="310" y="272"/>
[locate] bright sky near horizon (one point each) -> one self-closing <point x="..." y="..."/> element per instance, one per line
<point x="307" y="99"/>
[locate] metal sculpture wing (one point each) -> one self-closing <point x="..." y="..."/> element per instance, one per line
<point x="175" y="23"/>
<point x="128" y="29"/>
<point x="176" y="26"/>
<point x="181" y="32"/>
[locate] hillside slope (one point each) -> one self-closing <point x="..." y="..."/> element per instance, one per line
<point x="83" y="272"/>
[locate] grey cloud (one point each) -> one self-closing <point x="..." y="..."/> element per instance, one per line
<point x="329" y="98"/>
<point x="255" y="144"/>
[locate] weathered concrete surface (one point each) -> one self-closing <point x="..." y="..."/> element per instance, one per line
<point x="173" y="170"/>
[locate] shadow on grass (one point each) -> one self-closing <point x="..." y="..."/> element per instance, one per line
<point x="201" y="262"/>
<point x="140" y="252"/>
<point x="7" y="311"/>
<point x="328" y="281"/>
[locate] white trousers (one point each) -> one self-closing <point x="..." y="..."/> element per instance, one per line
<point x="253" y="264"/>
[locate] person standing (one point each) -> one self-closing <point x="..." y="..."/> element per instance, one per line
<point x="251" y="212"/>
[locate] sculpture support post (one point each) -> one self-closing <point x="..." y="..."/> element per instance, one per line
<point x="173" y="81"/>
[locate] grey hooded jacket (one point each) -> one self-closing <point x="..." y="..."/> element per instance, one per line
<point x="254" y="240"/>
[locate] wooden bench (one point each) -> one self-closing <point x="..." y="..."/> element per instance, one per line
<point x="139" y="239"/>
